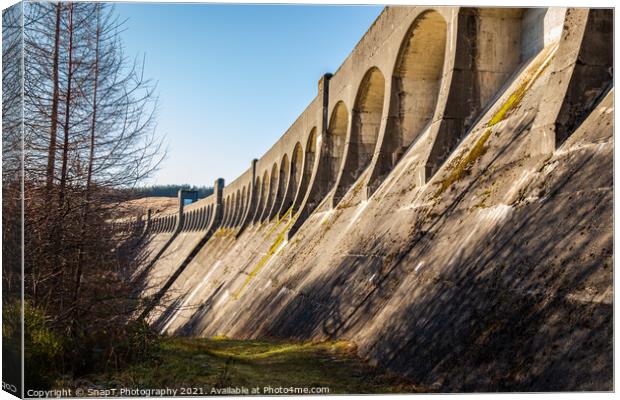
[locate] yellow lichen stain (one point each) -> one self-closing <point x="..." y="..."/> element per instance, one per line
<point x="282" y="218"/>
<point x="272" y="250"/>
<point x="515" y="98"/>
<point x="483" y="200"/>
<point x="462" y="165"/>
<point x="223" y="232"/>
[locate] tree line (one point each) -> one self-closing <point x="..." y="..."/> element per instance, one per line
<point x="89" y="138"/>
<point x="169" y="190"/>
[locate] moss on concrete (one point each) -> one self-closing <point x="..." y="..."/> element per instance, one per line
<point x="272" y="250"/>
<point x="462" y="165"/>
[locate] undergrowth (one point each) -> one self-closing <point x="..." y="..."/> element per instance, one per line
<point x="222" y="362"/>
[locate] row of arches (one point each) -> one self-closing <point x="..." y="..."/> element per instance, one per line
<point x="394" y="104"/>
<point x="276" y="189"/>
<point x="163" y="224"/>
<point x="128" y="226"/>
<point x="234" y="206"/>
<point x="387" y="116"/>
<point x="353" y="137"/>
<point x="194" y="220"/>
<point x="198" y="219"/>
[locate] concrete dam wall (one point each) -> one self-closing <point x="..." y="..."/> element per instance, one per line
<point x="445" y="202"/>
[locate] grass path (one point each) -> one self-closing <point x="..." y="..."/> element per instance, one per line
<point x="221" y="363"/>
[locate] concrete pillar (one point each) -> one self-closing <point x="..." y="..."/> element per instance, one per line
<point x="367" y="121"/>
<point x="289" y="191"/>
<point x="316" y="192"/>
<point x="305" y="171"/>
<point x="581" y="74"/>
<point x="283" y="175"/>
<point x="252" y="200"/>
<point x="182" y="196"/>
<point x="218" y="188"/>
<point x="271" y="192"/>
<point x="147" y="224"/>
<point x="259" y="199"/>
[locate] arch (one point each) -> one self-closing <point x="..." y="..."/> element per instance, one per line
<point x="226" y="212"/>
<point x="297" y="181"/>
<point x="192" y="220"/>
<point x="242" y="210"/>
<point x="257" y="203"/>
<point x="205" y="218"/>
<point x="213" y="214"/>
<point x="491" y="44"/>
<point x="364" y="132"/>
<point x="335" y="143"/>
<point x="208" y="214"/>
<point x="310" y="156"/>
<point x="251" y="199"/>
<point x="238" y="208"/>
<point x="199" y="219"/>
<point x="416" y="82"/>
<point x="187" y="221"/>
<point x="283" y="195"/>
<point x="224" y="209"/>
<point x="273" y="187"/>
<point x="196" y="221"/>
<point x="212" y="221"/>
<point x="233" y="210"/>
<point x="264" y="197"/>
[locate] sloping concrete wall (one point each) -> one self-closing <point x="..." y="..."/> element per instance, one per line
<point x="439" y="242"/>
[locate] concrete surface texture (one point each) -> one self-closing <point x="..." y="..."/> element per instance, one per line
<point x="445" y="202"/>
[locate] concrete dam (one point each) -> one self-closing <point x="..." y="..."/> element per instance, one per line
<point x="445" y="202"/>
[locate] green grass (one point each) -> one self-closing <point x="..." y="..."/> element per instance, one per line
<point x="220" y="363"/>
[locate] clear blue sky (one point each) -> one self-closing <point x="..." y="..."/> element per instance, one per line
<point x="233" y="78"/>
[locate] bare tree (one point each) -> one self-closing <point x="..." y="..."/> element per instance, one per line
<point x="12" y="74"/>
<point x="89" y="135"/>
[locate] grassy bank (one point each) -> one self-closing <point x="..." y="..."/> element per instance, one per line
<point x="224" y="363"/>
